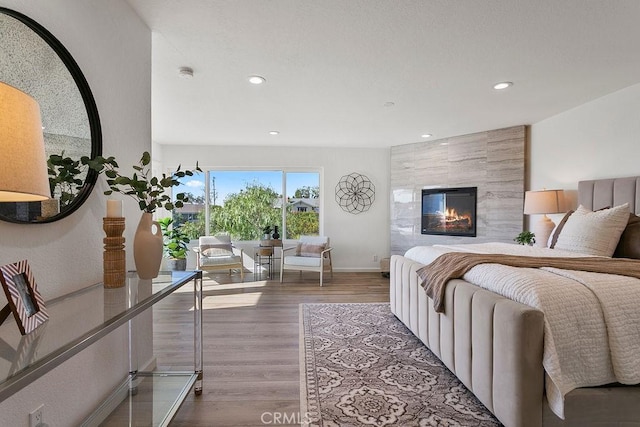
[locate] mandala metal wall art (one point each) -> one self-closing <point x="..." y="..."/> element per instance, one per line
<point x="355" y="193"/>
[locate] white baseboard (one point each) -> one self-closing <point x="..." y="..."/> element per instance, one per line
<point x="356" y="270"/>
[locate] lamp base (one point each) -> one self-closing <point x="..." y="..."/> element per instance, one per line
<point x="542" y="230"/>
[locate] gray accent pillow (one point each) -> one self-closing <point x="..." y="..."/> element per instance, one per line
<point x="629" y="244"/>
<point x="309" y="250"/>
<point x="212" y="251"/>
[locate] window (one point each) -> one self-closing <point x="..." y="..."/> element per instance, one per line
<point x="246" y="203"/>
<point x="191" y="217"/>
<point x="303" y="208"/>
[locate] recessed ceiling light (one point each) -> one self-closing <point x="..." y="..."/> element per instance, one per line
<point x="257" y="80"/>
<point x="274" y="132"/>
<point x="185" y="72"/>
<point x="426" y="135"/>
<point x="502" y="85"/>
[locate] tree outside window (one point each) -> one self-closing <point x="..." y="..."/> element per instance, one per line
<point x="244" y="203"/>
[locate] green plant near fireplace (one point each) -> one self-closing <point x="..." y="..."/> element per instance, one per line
<point x="525" y="238"/>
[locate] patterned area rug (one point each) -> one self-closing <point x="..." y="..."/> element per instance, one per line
<point x="360" y="366"/>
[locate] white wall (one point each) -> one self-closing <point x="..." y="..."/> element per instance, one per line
<point x="113" y="49"/>
<point x="599" y="139"/>
<point x="355" y="238"/>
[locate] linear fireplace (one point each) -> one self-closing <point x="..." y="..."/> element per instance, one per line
<point x="449" y="211"/>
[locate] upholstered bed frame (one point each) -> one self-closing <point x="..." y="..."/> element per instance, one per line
<point x="494" y="345"/>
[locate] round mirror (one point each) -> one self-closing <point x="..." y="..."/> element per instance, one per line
<point x="34" y="61"/>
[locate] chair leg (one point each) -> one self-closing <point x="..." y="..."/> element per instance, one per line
<point x="281" y="271"/>
<point x="330" y="265"/>
<point x="241" y="274"/>
<point x="321" y="276"/>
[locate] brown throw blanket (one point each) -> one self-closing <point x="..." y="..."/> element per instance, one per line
<point x="453" y="265"/>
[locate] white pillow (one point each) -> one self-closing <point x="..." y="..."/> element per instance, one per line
<point x="594" y="233"/>
<point x="553" y="237"/>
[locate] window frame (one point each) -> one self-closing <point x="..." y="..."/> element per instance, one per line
<point x="284" y="171"/>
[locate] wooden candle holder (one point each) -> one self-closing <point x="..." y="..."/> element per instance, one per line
<point x="114" y="257"/>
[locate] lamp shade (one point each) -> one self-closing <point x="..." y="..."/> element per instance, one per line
<point x="23" y="164"/>
<point x="542" y="202"/>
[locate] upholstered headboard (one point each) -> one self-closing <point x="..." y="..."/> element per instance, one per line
<point x="602" y="193"/>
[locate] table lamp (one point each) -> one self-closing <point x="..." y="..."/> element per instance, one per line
<point x="23" y="175"/>
<point x="542" y="202"/>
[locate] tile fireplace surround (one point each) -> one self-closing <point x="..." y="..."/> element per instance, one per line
<point x="493" y="161"/>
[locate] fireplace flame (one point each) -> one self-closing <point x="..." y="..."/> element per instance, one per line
<point x="451" y="215"/>
<point x="452" y="220"/>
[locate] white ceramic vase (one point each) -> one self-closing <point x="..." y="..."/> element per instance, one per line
<point x="147" y="247"/>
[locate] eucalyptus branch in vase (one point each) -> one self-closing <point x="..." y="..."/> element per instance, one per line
<point x="149" y="191"/>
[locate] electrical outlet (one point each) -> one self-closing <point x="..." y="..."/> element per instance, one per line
<point x="375" y="258"/>
<point x="36" y="417"/>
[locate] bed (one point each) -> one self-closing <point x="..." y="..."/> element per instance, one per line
<point x="496" y="345"/>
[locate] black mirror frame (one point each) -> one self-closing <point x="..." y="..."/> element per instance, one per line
<point x="89" y="103"/>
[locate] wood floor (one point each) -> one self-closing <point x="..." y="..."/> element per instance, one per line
<point x="251" y="354"/>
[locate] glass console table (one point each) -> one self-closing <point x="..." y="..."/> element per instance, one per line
<point x="81" y="318"/>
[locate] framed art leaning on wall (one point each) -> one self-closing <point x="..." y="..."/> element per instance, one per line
<point x="24" y="300"/>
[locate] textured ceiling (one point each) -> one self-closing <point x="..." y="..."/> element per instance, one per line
<point x="331" y="65"/>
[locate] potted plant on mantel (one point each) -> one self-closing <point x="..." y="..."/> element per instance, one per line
<point x="150" y="193"/>
<point x="175" y="244"/>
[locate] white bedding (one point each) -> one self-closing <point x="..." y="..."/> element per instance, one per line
<point x="426" y="254"/>
<point x="592" y="320"/>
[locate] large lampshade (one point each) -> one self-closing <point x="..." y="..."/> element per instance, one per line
<point x="542" y="202"/>
<point x="23" y="164"/>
